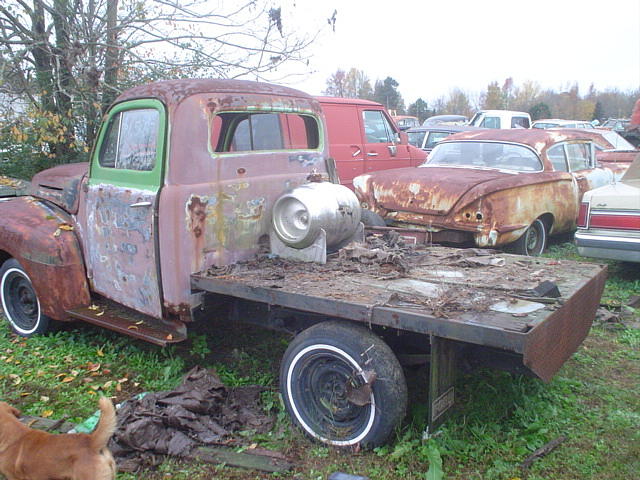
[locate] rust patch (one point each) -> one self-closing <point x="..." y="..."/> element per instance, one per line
<point x="197" y="215"/>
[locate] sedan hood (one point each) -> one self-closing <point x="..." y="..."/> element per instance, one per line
<point x="431" y="190"/>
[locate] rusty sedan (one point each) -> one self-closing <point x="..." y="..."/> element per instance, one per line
<point x="491" y="188"/>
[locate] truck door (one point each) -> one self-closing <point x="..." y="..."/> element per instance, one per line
<point x="381" y="151"/>
<point x="125" y="178"/>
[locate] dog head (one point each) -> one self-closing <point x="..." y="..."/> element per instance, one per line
<point x="6" y="409"/>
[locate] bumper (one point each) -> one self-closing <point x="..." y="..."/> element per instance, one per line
<point x="625" y="249"/>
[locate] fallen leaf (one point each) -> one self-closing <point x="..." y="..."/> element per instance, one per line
<point x="46" y="413"/>
<point x="57" y="232"/>
<point x="99" y="352"/>
<point x="68" y="379"/>
<point x="132" y="327"/>
<point x="65" y="226"/>
<point x="25" y="394"/>
<point x="169" y="337"/>
<point x="93" y="307"/>
<point x="44" y="399"/>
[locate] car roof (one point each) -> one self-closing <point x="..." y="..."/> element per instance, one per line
<point x="174" y="91"/>
<point x="441" y="127"/>
<point x="536" y="138"/>
<point x="348" y="101"/>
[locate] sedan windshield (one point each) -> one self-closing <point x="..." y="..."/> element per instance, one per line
<point x="503" y="156"/>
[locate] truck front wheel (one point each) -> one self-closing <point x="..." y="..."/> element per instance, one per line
<point x="343" y="385"/>
<point x="20" y="302"/>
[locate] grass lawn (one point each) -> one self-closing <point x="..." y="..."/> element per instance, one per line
<point x="499" y="419"/>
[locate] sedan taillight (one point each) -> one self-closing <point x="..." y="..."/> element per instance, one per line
<point x="583" y="214"/>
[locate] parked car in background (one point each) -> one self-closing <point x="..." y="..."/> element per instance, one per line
<point x="610" y="146"/>
<point x="363" y="138"/>
<point x="616" y="124"/>
<point x="500" y="119"/>
<point x="427" y="137"/>
<point x="492" y="188"/>
<point x="445" y="120"/>
<point x="609" y="219"/>
<point x="559" y="123"/>
<point x="405" y="122"/>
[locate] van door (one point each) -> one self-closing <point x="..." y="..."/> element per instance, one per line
<point x="381" y="147"/>
<point x="345" y="140"/>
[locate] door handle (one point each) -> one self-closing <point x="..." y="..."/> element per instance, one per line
<point x="356" y="153"/>
<point x="372" y="154"/>
<point x="140" y="204"/>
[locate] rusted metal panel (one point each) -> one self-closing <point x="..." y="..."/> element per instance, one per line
<point x="121" y="246"/>
<point x="553" y="341"/>
<point x="214" y="208"/>
<point x="60" y="185"/>
<point x="42" y="238"/>
<point x="225" y="93"/>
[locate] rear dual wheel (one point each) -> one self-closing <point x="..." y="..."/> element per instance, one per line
<point x="20" y="302"/>
<point x="343" y="385"/>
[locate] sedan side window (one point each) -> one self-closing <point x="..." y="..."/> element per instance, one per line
<point x="376" y="127"/>
<point x="558" y="158"/>
<point x="579" y="156"/>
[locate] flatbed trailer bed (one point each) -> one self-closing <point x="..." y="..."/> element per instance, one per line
<point x="451" y="296"/>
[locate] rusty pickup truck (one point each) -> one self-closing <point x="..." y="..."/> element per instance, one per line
<point x="203" y="191"/>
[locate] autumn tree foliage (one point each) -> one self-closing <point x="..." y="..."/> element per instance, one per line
<point x="351" y="84"/>
<point x="67" y="60"/>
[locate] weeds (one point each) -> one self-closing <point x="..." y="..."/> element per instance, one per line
<point x="499" y="419"/>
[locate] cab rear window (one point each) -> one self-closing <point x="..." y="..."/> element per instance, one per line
<point x="263" y="131"/>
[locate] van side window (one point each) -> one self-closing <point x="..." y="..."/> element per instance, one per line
<point x="131" y="140"/>
<point x="246" y="132"/>
<point x="490" y="122"/>
<point x="376" y="127"/>
<point x="558" y="158"/>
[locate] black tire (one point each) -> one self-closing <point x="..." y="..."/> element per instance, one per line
<point x="533" y="241"/>
<point x="371" y="219"/>
<point x="343" y="385"/>
<point x="20" y="301"/>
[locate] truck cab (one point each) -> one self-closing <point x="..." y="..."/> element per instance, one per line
<point x="183" y="176"/>
<point x="500" y="119"/>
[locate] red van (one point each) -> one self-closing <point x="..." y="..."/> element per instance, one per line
<point x="363" y="138"/>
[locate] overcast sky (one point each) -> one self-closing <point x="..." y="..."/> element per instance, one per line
<point x="431" y="47"/>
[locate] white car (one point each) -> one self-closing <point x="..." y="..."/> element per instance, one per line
<point x="609" y="219"/>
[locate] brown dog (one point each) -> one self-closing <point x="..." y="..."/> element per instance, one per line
<point x="28" y="454"/>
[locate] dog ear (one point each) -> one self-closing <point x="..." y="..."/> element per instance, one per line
<point x="17" y="413"/>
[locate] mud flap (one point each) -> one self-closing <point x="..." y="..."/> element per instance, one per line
<point x="442" y="373"/>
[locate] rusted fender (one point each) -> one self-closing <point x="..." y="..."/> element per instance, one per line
<point x="42" y="238"/>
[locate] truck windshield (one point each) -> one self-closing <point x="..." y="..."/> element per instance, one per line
<point x="503" y="156"/>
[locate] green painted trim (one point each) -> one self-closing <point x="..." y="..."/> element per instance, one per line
<point x="151" y="179"/>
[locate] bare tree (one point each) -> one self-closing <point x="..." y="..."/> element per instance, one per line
<point x="71" y="58"/>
